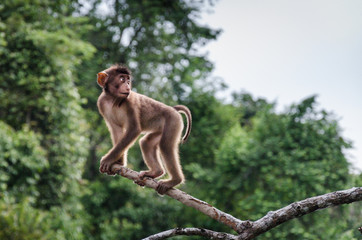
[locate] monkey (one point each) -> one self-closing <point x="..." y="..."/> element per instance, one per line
<point x="129" y="114"/>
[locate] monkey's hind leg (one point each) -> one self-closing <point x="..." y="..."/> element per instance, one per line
<point x="150" y="152"/>
<point x="171" y="160"/>
<point x="170" y="157"/>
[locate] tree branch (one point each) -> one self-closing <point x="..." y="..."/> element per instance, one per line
<point x="184" y="198"/>
<point x="246" y="229"/>
<point x="192" y="232"/>
<point x="301" y="208"/>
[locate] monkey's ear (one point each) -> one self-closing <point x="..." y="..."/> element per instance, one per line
<point x="102" y="78"/>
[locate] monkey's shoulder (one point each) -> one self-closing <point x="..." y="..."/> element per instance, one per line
<point x="111" y="113"/>
<point x="103" y="104"/>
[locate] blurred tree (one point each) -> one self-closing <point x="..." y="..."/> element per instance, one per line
<point x="39" y="49"/>
<point x="42" y="126"/>
<point x="248" y="107"/>
<point x="22" y="160"/>
<point x="19" y="220"/>
<point x="282" y="158"/>
<point x="159" y="40"/>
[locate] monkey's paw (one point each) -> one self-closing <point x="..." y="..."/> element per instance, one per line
<point x="163" y="187"/>
<point x="106" y="166"/>
<point x="151" y="174"/>
<point x="140" y="182"/>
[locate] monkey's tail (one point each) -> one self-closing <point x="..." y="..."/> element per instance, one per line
<point x="183" y="109"/>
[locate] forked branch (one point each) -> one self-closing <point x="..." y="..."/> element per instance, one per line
<point x="245" y="229"/>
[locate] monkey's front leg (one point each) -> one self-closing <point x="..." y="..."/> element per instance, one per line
<point x="118" y="153"/>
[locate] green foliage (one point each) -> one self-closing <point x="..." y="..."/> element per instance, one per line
<point x="37" y="91"/>
<point x="129" y="212"/>
<point x="160" y="37"/>
<point x="282" y="158"/>
<point x="21" y="221"/>
<point x="22" y="161"/>
<point x="211" y="121"/>
<point x="249" y="107"/>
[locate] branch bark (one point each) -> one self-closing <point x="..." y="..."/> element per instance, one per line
<point x="185" y="198"/>
<point x="192" y="232"/>
<point x="301" y="208"/>
<point x="246" y="229"/>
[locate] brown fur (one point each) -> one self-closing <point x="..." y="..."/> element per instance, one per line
<point x="128" y="114"/>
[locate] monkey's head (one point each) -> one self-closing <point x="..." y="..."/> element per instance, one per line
<point x="116" y="81"/>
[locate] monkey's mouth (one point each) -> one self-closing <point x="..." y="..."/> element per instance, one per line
<point x="124" y="94"/>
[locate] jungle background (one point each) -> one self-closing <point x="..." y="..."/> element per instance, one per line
<point x="243" y="156"/>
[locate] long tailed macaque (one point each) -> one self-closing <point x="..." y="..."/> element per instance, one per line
<point x="128" y="114"/>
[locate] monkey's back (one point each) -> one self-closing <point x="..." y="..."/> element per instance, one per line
<point x="154" y="114"/>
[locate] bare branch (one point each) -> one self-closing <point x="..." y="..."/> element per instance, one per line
<point x="192" y="232"/>
<point x="246" y="229"/>
<point x="186" y="199"/>
<point x="298" y="209"/>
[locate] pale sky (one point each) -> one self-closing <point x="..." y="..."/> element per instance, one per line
<point x="285" y="51"/>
